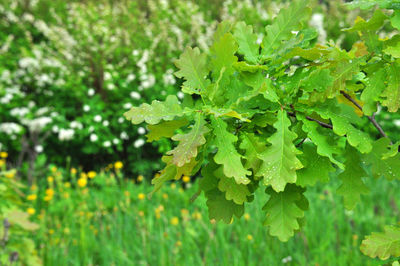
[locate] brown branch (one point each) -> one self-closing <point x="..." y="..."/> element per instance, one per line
<point x="370" y="118"/>
<point x="323" y="124"/>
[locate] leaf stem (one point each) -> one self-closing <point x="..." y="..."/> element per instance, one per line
<point x="371" y="118"/>
<point x="323" y="124"/>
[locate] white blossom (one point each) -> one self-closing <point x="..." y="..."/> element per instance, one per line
<point x="91" y="92"/>
<point x="141" y="131"/>
<point x="107" y="144"/>
<point x="39" y="148"/>
<point x="116" y="141"/>
<point x="86" y="108"/>
<point x="10" y="128"/>
<point x="127" y="105"/>
<point x="396" y="122"/>
<point x="55" y="129"/>
<point x="93" y="137"/>
<point x="180" y="95"/>
<point x="135" y="95"/>
<point x="138" y="143"/>
<point x="106" y="123"/>
<point x="107" y="76"/>
<point x="124" y="135"/>
<point x="130" y="77"/>
<point x="121" y="120"/>
<point x="97" y="118"/>
<point x="76" y="124"/>
<point x="36" y="124"/>
<point x="65" y="134"/>
<point x="110" y="86"/>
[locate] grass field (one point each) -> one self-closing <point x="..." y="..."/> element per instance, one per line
<point x="111" y="222"/>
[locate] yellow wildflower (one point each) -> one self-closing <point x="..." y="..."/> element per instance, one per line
<point x="31" y="211"/>
<point x="83" y="175"/>
<point x="196" y="215"/>
<point x="54" y="169"/>
<point x="73" y="171"/>
<point x="50" y="192"/>
<point x="127" y="193"/>
<point x="158" y="215"/>
<point x="173" y="185"/>
<point x="186" y="179"/>
<point x="178" y="243"/>
<point x="34" y="187"/>
<point x="3" y="154"/>
<point x="91" y="174"/>
<point x="47" y="198"/>
<point x="249" y="237"/>
<point x="141" y="196"/>
<point x="355" y="237"/>
<point x="165" y="196"/>
<point x="31" y="197"/>
<point x="66" y="195"/>
<point x="160" y="208"/>
<point x="82" y="182"/>
<point x="174" y="221"/>
<point x="118" y="165"/>
<point x="184" y="212"/>
<point x="141" y="213"/>
<point x="140" y="178"/>
<point x="2" y="162"/>
<point x="246" y="216"/>
<point x="51" y="231"/>
<point x="67" y="184"/>
<point x="50" y="179"/>
<point x="10" y="175"/>
<point x="66" y="231"/>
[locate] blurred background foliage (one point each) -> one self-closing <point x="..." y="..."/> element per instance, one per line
<point x="70" y="69"/>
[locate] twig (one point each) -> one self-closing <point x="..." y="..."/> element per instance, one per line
<point x="300" y="143"/>
<point x="371" y="118"/>
<point x="323" y="124"/>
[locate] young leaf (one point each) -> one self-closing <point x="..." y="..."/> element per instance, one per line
<point x="288" y="20"/>
<point x="193" y="68"/>
<point x="219" y="208"/>
<point x="233" y="191"/>
<point x="392" y="91"/>
<point x="279" y="160"/>
<point x="165" y="129"/>
<point x="316" y="168"/>
<point x="388" y="167"/>
<point x="373" y="89"/>
<point x="324" y="148"/>
<point x="157" y="111"/>
<point x="383" y="245"/>
<point x="284" y="211"/>
<point x="253" y="147"/>
<point x="227" y="154"/>
<point x="352" y="184"/>
<point x="247" y="41"/>
<point x="189" y="142"/>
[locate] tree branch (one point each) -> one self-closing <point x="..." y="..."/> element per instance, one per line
<point x="371" y="118"/>
<point x="323" y="124"/>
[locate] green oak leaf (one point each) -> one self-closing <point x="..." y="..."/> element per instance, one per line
<point x="167" y="174"/>
<point x="352" y="184"/>
<point x="288" y="20"/>
<point x="189" y="142"/>
<point x="382" y="245"/>
<point x="374" y="86"/>
<point x="316" y="168"/>
<point x="157" y="111"/>
<point x="247" y="41"/>
<point x="317" y="80"/>
<point x="324" y="148"/>
<point x="227" y="155"/>
<point x="279" y="161"/>
<point x="388" y="167"/>
<point x="233" y="191"/>
<point x="193" y="68"/>
<point x="284" y="211"/>
<point x="253" y="146"/>
<point x="395" y="19"/>
<point x="165" y="129"/>
<point x="392" y="91"/>
<point x="219" y="208"/>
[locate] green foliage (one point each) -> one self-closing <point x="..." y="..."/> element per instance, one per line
<point x="382" y="245"/>
<point x="283" y="119"/>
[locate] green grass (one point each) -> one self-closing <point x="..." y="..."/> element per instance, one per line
<point x="108" y="227"/>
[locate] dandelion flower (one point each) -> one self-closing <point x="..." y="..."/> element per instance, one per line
<point x="141" y="196"/>
<point x="2" y="162"/>
<point x="73" y="171"/>
<point x="174" y="221"/>
<point x="67" y="184"/>
<point x="31" y="211"/>
<point x="49" y="192"/>
<point x="82" y="182"/>
<point x="165" y="196"/>
<point x="118" y="165"/>
<point x="91" y="174"/>
<point x="127" y="193"/>
<point x="141" y="213"/>
<point x="140" y="178"/>
<point x="10" y="175"/>
<point x="178" y="243"/>
<point x="246" y="216"/>
<point x="50" y="179"/>
<point x="249" y="237"/>
<point x="186" y="179"/>
<point x="3" y="154"/>
<point x="31" y="197"/>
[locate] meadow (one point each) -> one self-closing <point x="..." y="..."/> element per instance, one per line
<point x="106" y="219"/>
